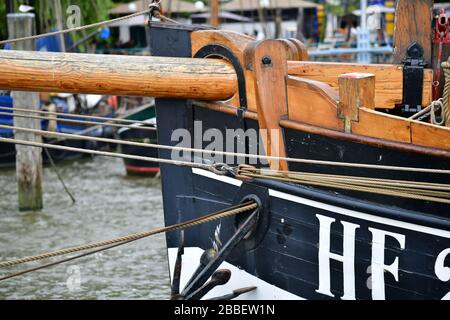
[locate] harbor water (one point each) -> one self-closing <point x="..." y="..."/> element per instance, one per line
<point x="109" y="204"/>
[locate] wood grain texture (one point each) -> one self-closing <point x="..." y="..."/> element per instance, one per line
<point x="424" y="134"/>
<point x="267" y="60"/>
<point x="292" y="52"/>
<point x="302" y="49"/>
<point x="235" y="42"/>
<point x="382" y="126"/>
<point x="413" y="23"/>
<point x="356" y="90"/>
<point x="388" y="79"/>
<point x="314" y="103"/>
<point x="406" y="147"/>
<point x="183" y="78"/>
<point x="28" y="159"/>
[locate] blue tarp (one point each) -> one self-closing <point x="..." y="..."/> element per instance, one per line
<point x="50" y="44"/>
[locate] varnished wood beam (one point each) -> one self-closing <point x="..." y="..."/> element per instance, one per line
<point x="356" y="90"/>
<point x="183" y="78"/>
<point x="388" y="79"/>
<point x="267" y="61"/>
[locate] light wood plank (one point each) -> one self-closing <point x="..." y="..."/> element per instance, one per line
<point x="388" y="79"/>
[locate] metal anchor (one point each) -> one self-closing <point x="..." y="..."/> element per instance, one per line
<point x="196" y="288"/>
<point x="175" y="294"/>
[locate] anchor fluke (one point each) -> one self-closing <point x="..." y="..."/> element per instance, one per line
<point x="219" y="278"/>
<point x="236" y="293"/>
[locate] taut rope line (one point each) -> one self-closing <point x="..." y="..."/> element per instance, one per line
<point x="70" y="115"/>
<point x="153" y="7"/>
<point x="397" y="188"/>
<point x="103" y="124"/>
<point x="81" y="28"/>
<point x="137" y="236"/>
<point x="108" y="154"/>
<point x="222" y="153"/>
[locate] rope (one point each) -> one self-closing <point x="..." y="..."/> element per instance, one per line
<point x="94" y="25"/>
<point x="74" y="116"/>
<point x="431" y="111"/>
<point x="111" y="154"/>
<point x="103" y="124"/>
<point x="59" y="176"/>
<point x="137" y="236"/>
<point x="445" y="104"/>
<point x="222" y="153"/>
<point x="154" y="10"/>
<point x="404" y="189"/>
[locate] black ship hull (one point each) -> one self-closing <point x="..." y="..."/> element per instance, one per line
<point x="309" y="243"/>
<point x="291" y="252"/>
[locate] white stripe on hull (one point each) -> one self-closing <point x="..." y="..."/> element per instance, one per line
<point x="331" y="208"/>
<point x="239" y="279"/>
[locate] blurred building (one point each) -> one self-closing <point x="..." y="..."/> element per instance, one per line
<point x="259" y="18"/>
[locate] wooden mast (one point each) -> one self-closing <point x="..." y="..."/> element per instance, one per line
<point x="182" y="78"/>
<point x="215" y="9"/>
<point x="413" y="23"/>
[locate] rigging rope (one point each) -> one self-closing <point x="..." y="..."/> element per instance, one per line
<point x="154" y="10"/>
<point x="202" y="151"/>
<point x="431" y="111"/>
<point x="441" y="104"/>
<point x="103" y="124"/>
<point x="211" y="168"/>
<point x="445" y="104"/>
<point x="136" y="236"/>
<point x="404" y="189"/>
<point x="81" y="28"/>
<point x="70" y="115"/>
<point x="222" y="153"/>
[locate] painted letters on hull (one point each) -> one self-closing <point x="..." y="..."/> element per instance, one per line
<point x="353" y="255"/>
<point x="318" y="250"/>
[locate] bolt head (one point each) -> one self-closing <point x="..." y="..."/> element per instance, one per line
<point x="267" y="60"/>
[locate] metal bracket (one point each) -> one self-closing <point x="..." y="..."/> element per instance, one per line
<point x="413" y="74"/>
<point x="220" y="51"/>
<point x="235" y="240"/>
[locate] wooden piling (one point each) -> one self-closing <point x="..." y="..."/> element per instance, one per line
<point x="28" y="159"/>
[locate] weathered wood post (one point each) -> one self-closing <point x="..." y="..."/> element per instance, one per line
<point x="57" y="9"/>
<point x="28" y="159"/>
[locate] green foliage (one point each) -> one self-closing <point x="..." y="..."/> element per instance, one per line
<point x="2" y="19"/>
<point x="91" y="11"/>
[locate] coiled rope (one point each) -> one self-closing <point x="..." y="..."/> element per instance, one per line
<point x="137" y="236"/>
<point x="445" y="98"/>
<point x="441" y="104"/>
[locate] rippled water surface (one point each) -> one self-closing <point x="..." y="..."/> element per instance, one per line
<point x="109" y="204"/>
